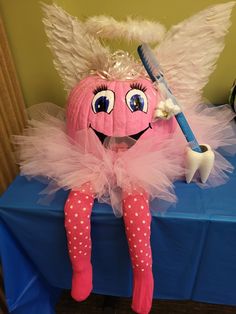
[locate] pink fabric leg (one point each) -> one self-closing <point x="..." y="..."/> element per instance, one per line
<point x="137" y="219"/>
<point x="77" y="210"/>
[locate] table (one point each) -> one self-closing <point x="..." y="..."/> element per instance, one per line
<point x="193" y="243"/>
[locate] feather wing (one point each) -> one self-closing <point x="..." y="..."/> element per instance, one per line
<point x="76" y="53"/>
<point x="189" y="52"/>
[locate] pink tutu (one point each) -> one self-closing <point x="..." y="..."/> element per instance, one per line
<point x="149" y="164"/>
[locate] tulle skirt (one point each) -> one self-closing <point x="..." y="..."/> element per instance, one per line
<point x="150" y="164"/>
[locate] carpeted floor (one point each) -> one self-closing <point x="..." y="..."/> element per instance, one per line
<point x="98" y="304"/>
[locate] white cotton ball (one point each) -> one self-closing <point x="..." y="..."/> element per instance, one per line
<point x="166" y="109"/>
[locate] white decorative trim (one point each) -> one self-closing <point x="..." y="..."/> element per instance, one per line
<point x="131" y="30"/>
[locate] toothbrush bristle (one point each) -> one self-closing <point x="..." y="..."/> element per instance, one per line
<point x="149" y="61"/>
<point x="144" y="56"/>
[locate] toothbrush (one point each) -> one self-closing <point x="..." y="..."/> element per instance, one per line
<point x="155" y="73"/>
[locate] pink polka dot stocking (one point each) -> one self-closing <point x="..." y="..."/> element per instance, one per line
<point x="137" y="221"/>
<point x="77" y="223"/>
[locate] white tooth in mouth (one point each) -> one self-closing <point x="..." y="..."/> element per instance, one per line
<point x="113" y="142"/>
<point x="203" y="162"/>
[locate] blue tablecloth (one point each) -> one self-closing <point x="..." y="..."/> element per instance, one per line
<point x="193" y="243"/>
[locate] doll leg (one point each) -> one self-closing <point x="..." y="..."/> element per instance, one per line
<point x="77" y="210"/>
<point x="137" y="219"/>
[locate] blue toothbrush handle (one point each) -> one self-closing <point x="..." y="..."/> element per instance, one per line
<point x="183" y="123"/>
<point x="188" y="133"/>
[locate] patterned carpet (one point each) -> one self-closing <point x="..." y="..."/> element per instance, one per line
<point x="97" y="304"/>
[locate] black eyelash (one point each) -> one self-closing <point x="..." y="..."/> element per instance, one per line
<point x="138" y="86"/>
<point x="100" y="88"/>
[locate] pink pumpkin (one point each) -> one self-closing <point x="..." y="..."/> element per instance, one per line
<point x="115" y="108"/>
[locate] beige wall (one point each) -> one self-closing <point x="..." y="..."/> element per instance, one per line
<point x="33" y="60"/>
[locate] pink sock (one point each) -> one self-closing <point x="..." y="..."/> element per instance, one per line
<point x="137" y="219"/>
<point x="77" y="210"/>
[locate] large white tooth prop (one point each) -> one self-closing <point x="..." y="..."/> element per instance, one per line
<point x="203" y="162"/>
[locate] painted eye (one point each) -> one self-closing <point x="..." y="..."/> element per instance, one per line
<point x="136" y="100"/>
<point x="103" y="101"/>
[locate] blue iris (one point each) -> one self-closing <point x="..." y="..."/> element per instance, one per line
<point x="136" y="102"/>
<point x="101" y="104"/>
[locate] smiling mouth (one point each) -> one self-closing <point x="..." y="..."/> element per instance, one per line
<point x="136" y="136"/>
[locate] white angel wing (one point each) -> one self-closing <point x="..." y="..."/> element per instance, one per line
<point x="76" y="53"/>
<point x="189" y="52"/>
